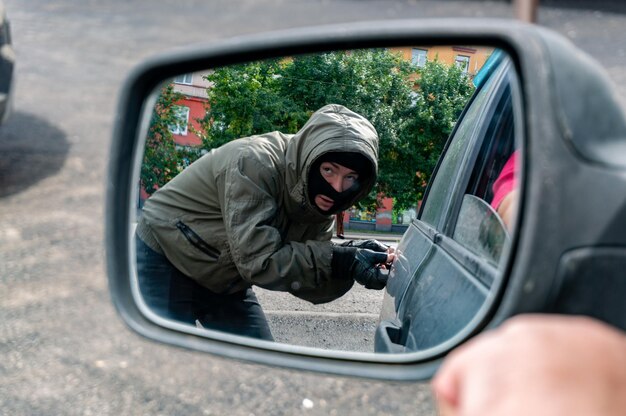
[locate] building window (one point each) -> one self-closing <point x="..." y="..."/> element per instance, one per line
<point x="462" y="62"/>
<point x="419" y="57"/>
<point x="181" y="113"/>
<point x="184" y="79"/>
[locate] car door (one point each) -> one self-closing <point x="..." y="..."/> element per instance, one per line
<point x="450" y="256"/>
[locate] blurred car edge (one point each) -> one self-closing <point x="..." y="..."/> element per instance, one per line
<point x="7" y="63"/>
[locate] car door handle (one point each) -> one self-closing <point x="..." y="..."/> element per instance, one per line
<point x="388" y="338"/>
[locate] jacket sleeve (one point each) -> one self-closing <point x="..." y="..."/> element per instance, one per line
<point x="250" y="195"/>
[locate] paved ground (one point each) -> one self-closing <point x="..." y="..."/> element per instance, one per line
<point x="64" y="350"/>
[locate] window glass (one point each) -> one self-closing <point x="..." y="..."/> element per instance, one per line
<point x="462" y="62"/>
<point x="480" y="229"/>
<point x="437" y="199"/>
<point x="184" y="79"/>
<point x="419" y="57"/>
<point x="181" y="113"/>
<point x="482" y="225"/>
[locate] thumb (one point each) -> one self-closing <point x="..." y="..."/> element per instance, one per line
<point x="445" y="388"/>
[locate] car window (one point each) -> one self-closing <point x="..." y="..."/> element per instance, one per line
<point x="479" y="227"/>
<point x="436" y="203"/>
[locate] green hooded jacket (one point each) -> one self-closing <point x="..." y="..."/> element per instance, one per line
<point x="240" y="216"/>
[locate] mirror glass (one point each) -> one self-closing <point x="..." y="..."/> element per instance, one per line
<point x="261" y="183"/>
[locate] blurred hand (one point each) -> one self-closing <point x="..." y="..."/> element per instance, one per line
<point x="537" y="365"/>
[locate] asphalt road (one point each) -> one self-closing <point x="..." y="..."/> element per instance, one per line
<point x="63" y="349"/>
<point x="346" y="324"/>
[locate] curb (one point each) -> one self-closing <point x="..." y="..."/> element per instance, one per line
<point x="393" y="238"/>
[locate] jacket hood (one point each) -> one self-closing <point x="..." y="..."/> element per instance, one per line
<point x="332" y="128"/>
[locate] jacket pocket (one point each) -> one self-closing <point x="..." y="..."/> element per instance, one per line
<point x="197" y="241"/>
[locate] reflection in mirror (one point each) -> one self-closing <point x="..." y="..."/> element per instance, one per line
<point x="263" y="184"/>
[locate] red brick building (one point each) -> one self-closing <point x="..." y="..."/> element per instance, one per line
<point x="191" y="108"/>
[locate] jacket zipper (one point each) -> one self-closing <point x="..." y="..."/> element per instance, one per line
<point x="196" y="241"/>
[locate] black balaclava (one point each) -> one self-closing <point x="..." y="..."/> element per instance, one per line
<point x="318" y="185"/>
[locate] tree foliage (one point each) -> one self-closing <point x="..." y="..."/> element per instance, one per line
<point x="161" y="160"/>
<point x="440" y="96"/>
<point x="413" y="109"/>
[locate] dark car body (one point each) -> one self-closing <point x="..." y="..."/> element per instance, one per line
<point x="450" y="255"/>
<point x="7" y="63"/>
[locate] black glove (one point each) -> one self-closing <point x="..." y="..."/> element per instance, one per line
<point x="368" y="244"/>
<point x="360" y="264"/>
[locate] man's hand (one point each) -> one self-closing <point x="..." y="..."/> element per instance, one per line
<point x="366" y="267"/>
<point x="374" y="245"/>
<point x="537" y="365"/>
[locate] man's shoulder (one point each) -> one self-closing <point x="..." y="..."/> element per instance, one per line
<point x="267" y="150"/>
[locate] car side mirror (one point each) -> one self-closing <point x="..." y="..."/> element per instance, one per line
<point x="475" y="253"/>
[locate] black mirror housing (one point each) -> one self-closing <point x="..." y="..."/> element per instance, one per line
<point x="570" y="251"/>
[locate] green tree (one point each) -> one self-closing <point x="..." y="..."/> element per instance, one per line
<point x="375" y="83"/>
<point x="413" y="109"/>
<point x="161" y="160"/>
<point x="440" y="96"/>
<point x="244" y="100"/>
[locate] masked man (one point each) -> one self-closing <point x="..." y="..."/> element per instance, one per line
<point x="259" y="211"/>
